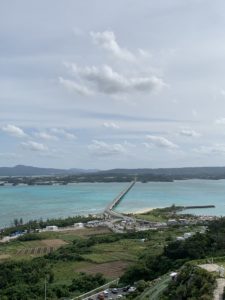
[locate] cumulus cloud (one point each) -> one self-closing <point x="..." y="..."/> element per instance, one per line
<point x="189" y="133"/>
<point x="107" y="81"/>
<point x="14" y="131"/>
<point x="110" y="125"/>
<point x="64" y="133"/>
<point x="107" y="40"/>
<point x="220" y="121"/>
<point x="76" y="87"/>
<point x="34" y="146"/>
<point x="160" y="141"/>
<point x="46" y="136"/>
<point x="101" y="148"/>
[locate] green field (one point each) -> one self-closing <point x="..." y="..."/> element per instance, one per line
<point x="108" y="258"/>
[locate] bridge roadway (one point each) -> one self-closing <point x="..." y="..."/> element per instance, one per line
<point x="110" y="208"/>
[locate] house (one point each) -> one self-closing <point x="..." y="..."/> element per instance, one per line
<point x="78" y="225"/>
<point x="51" y="228"/>
<point x="180" y="238"/>
<point x="172" y="222"/>
<point x="187" y="235"/>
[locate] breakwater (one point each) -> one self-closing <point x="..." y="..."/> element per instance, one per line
<point x="198" y="206"/>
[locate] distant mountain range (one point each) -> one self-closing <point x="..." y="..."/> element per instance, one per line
<point x="21" y="170"/>
<point x="176" y="173"/>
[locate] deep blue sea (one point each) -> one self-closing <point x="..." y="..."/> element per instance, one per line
<point x="35" y="202"/>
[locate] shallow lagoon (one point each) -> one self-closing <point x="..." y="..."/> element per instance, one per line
<point x="35" y="202"/>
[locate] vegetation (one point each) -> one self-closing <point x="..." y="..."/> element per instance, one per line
<point x="26" y="280"/>
<point x="191" y="283"/>
<point x="160" y="214"/>
<point x="63" y="269"/>
<point x="176" y="253"/>
<point x="32" y="225"/>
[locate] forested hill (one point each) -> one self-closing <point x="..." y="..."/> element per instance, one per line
<point x="21" y="170"/>
<point x="147" y="174"/>
<point x="190" y="171"/>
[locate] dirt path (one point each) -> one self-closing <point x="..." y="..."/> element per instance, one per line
<point x="218" y="293"/>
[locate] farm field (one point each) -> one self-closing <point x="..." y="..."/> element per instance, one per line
<point x="125" y="250"/>
<point x="50" y="241"/>
<point x="109" y="258"/>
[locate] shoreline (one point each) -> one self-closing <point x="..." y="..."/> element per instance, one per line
<point x="141" y="210"/>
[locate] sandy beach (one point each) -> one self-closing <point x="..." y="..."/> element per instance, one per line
<point x="141" y="210"/>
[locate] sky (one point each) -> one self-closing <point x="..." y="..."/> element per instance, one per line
<point x="112" y="84"/>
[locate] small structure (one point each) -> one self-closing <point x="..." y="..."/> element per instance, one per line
<point x="187" y="235"/>
<point x="173" y="275"/>
<point x="183" y="221"/>
<point x="172" y="222"/>
<point x="180" y="238"/>
<point x="78" y="225"/>
<point x="93" y="223"/>
<point x="51" y="228"/>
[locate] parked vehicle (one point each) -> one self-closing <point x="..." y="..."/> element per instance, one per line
<point x="132" y="289"/>
<point x="101" y="296"/>
<point x="126" y="288"/>
<point x="114" y="291"/>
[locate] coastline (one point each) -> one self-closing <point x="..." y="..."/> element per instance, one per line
<point x="140" y="211"/>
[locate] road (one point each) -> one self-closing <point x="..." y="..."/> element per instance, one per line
<point x="111" y="295"/>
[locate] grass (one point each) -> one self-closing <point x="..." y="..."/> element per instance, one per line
<point x="151" y="217"/>
<point x="155" y="291"/>
<point x="160" y="214"/>
<point x="64" y="272"/>
<point x="120" y="253"/>
<point x="127" y="250"/>
<point x="11" y="248"/>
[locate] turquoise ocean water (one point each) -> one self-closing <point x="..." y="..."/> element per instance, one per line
<point x="34" y="202"/>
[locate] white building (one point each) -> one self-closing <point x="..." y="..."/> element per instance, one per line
<point x="51" y="228"/>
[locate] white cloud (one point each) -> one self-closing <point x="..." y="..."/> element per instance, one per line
<point x="9" y="155"/>
<point x="107" y="40"/>
<point x="147" y="145"/>
<point x="194" y="113"/>
<point x="128" y="144"/>
<point x="214" y="149"/>
<point x="143" y="53"/>
<point x="14" y="131"/>
<point x="34" y="146"/>
<point x="101" y="148"/>
<point x="189" y="133"/>
<point x="73" y="86"/>
<point x="110" y="125"/>
<point x="222" y="92"/>
<point x="220" y="121"/>
<point x="160" y="141"/>
<point x="64" y="133"/>
<point x="46" y="136"/>
<point x="107" y="81"/>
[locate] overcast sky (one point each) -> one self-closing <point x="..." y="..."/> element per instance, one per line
<point x="108" y="84"/>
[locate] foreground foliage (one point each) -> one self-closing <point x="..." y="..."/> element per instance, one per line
<point x="176" y="253"/>
<point x="191" y="283"/>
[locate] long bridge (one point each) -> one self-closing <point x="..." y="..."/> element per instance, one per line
<point x="110" y="208"/>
